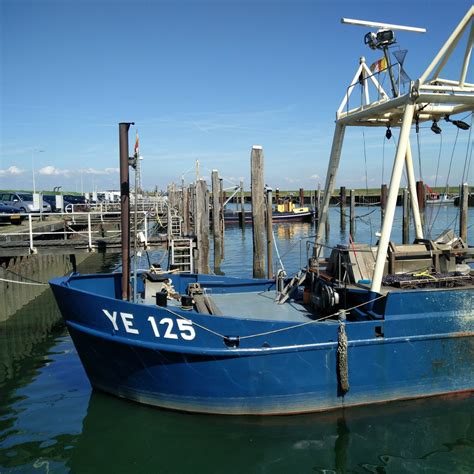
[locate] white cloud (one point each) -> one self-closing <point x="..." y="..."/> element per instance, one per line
<point x="12" y="171"/>
<point x="292" y="180"/>
<point x="52" y="171"/>
<point x="103" y="171"/>
<point x="315" y="177"/>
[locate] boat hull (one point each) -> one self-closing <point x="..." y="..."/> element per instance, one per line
<point x="292" y="370"/>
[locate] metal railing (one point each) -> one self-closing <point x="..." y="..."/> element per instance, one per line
<point x="89" y="218"/>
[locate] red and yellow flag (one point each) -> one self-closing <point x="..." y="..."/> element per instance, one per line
<point x="379" y="66"/>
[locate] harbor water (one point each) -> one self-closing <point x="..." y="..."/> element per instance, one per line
<point x="51" y="420"/>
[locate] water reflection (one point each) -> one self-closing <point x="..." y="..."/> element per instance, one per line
<point x="398" y="437"/>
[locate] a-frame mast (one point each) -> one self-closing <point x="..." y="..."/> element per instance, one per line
<point x="426" y="100"/>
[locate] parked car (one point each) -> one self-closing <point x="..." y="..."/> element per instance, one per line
<point x="11" y="214"/>
<point x="23" y="202"/>
<point x="51" y="200"/>
<point x="74" y="202"/>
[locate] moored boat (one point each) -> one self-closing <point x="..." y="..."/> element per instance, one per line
<point x="255" y="356"/>
<point x="360" y="325"/>
<point x="296" y="214"/>
<point x="440" y="199"/>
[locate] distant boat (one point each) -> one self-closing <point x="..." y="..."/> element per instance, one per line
<point x="443" y="199"/>
<point x="287" y="212"/>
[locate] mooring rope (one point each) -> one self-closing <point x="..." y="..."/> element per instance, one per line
<point x="342" y="356"/>
<point x="274" y="331"/>
<point x="23" y="282"/>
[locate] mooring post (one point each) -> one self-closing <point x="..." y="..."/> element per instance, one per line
<point x="269" y="234"/>
<point x="192" y="208"/>
<point x="327" y="225"/>
<point x="242" y="206"/>
<point x="406" y="217"/>
<point x="383" y="199"/>
<point x="202" y="226"/>
<point x="301" y="197"/>
<point x="463" y="205"/>
<point x="258" y="211"/>
<point x="421" y="196"/>
<point x="318" y="202"/>
<point x="185" y="211"/>
<point x="125" y="207"/>
<point x="352" y="227"/>
<point x="216" y="220"/>
<point x="222" y="198"/>
<point x="342" y="206"/>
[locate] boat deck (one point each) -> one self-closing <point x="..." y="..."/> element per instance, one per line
<point x="257" y="305"/>
<point x="260" y="305"/>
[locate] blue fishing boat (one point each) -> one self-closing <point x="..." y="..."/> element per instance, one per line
<point x="360" y="324"/>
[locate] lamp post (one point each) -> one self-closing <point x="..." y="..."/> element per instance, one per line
<point x="33" y="166"/>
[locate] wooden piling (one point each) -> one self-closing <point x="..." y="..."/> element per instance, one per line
<point x="421" y="196"/>
<point x="186" y="222"/>
<point x="463" y="207"/>
<point x="301" y="197"/>
<point x="242" y="206"/>
<point x="202" y="226"/>
<point x="383" y="200"/>
<point x="342" y="207"/>
<point x="222" y="198"/>
<point x="258" y="211"/>
<point x="318" y="202"/>
<point x="269" y="234"/>
<point x="192" y="208"/>
<point x="216" y="219"/>
<point x="352" y="227"/>
<point x="327" y="228"/>
<point x="125" y="207"/>
<point x="406" y="217"/>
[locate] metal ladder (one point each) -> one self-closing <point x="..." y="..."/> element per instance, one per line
<point x="182" y="254"/>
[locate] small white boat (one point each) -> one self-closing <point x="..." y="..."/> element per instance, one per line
<point x="440" y="199"/>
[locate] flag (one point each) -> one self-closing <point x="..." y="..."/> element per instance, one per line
<point x="379" y="66"/>
<point x="137" y="146"/>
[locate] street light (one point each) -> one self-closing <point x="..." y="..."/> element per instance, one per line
<point x="33" y="166"/>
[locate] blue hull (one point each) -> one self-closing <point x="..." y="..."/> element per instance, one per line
<point x="423" y="346"/>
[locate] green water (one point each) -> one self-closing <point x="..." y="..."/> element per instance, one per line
<point x="51" y="421"/>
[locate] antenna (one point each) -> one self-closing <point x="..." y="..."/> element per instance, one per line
<point x="382" y="26"/>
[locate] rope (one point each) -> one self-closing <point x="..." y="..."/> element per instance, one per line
<point x="22" y="277"/>
<point x="342" y="359"/>
<point x="23" y="282"/>
<point x="310" y="322"/>
<point x="296" y="326"/>
<point x="277" y="251"/>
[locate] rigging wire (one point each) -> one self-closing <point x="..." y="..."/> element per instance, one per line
<point x="383" y="159"/>
<point x="418" y="144"/>
<point x="465" y="171"/>
<point x="433" y="219"/>
<point x="367" y="182"/>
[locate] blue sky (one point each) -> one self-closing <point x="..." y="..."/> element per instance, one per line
<point x="201" y="80"/>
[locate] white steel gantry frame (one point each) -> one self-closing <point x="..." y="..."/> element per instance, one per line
<point x="429" y="98"/>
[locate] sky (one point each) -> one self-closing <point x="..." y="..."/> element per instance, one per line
<point x="204" y="80"/>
